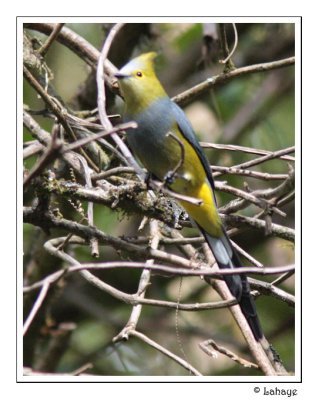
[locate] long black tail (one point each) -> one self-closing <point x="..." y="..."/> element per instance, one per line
<point x="226" y="257"/>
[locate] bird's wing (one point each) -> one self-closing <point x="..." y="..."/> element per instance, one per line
<point x="187" y="131"/>
<point x="221" y="247"/>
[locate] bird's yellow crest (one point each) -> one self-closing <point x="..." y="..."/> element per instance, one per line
<point x="139" y="84"/>
<point x="143" y="63"/>
<point x="147" y="59"/>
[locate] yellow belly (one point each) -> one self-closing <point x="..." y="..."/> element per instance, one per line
<point x="206" y="214"/>
<point x="192" y="181"/>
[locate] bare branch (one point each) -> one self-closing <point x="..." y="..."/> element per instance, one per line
<point x="78" y="45"/>
<point x="142" y="287"/>
<point x="230" y="54"/>
<point x="260" y="160"/>
<point x="36" y="306"/>
<point x="56" y="110"/>
<point x="247" y="172"/>
<point x="190" y="94"/>
<point x="32" y="149"/>
<point x="44" y="138"/>
<point x="47" y="158"/>
<point x="210" y="342"/>
<point x="249" y="198"/>
<point x="84" y="141"/>
<point x="250" y="150"/>
<point x="275" y="229"/>
<point x="168" y="353"/>
<point x="271" y="289"/>
<point x="185" y="269"/>
<point x="53" y="35"/>
<point x="101" y="102"/>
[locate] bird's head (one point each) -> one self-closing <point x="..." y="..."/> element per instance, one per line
<point x="138" y="82"/>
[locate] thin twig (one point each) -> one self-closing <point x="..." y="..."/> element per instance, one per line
<point x="176" y="271"/>
<point x="210" y="342"/>
<point x="273" y="194"/>
<point x="96" y="136"/>
<point x="234" y="46"/>
<point x="112" y="171"/>
<point x="45" y="47"/>
<point x="282" y="278"/>
<point x="142" y="286"/>
<point x="80" y="370"/>
<point x="101" y="101"/>
<point x="46" y="159"/>
<point x="168" y="353"/>
<point x="45" y="138"/>
<point x="271" y="289"/>
<point x="281" y="190"/>
<point x="36" y="306"/>
<point x="249" y="150"/>
<point x="32" y="149"/>
<point x="248" y="197"/>
<point x="53" y="246"/>
<point x="247" y="172"/>
<point x="229" y="65"/>
<point x="56" y="110"/>
<point x="260" y="160"/>
<point x="199" y="270"/>
<point x="94" y="244"/>
<point x="131" y="299"/>
<point x="275" y="229"/>
<point x="247" y="255"/>
<point x="78" y="45"/>
<point x="190" y="94"/>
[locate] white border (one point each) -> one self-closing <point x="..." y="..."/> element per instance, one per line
<point x="158" y="19"/>
<point x="62" y="378"/>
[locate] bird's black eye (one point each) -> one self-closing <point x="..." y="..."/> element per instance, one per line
<point x="139" y="74"/>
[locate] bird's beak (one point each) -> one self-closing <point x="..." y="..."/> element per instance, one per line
<point x="120" y="75"/>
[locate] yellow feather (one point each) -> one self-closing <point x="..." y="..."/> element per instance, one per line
<point x="206" y="214"/>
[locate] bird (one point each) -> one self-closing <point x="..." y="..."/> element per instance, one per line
<point x="166" y="145"/>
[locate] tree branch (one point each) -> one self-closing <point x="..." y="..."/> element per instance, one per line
<point x="53" y="35"/>
<point x="190" y="94"/>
